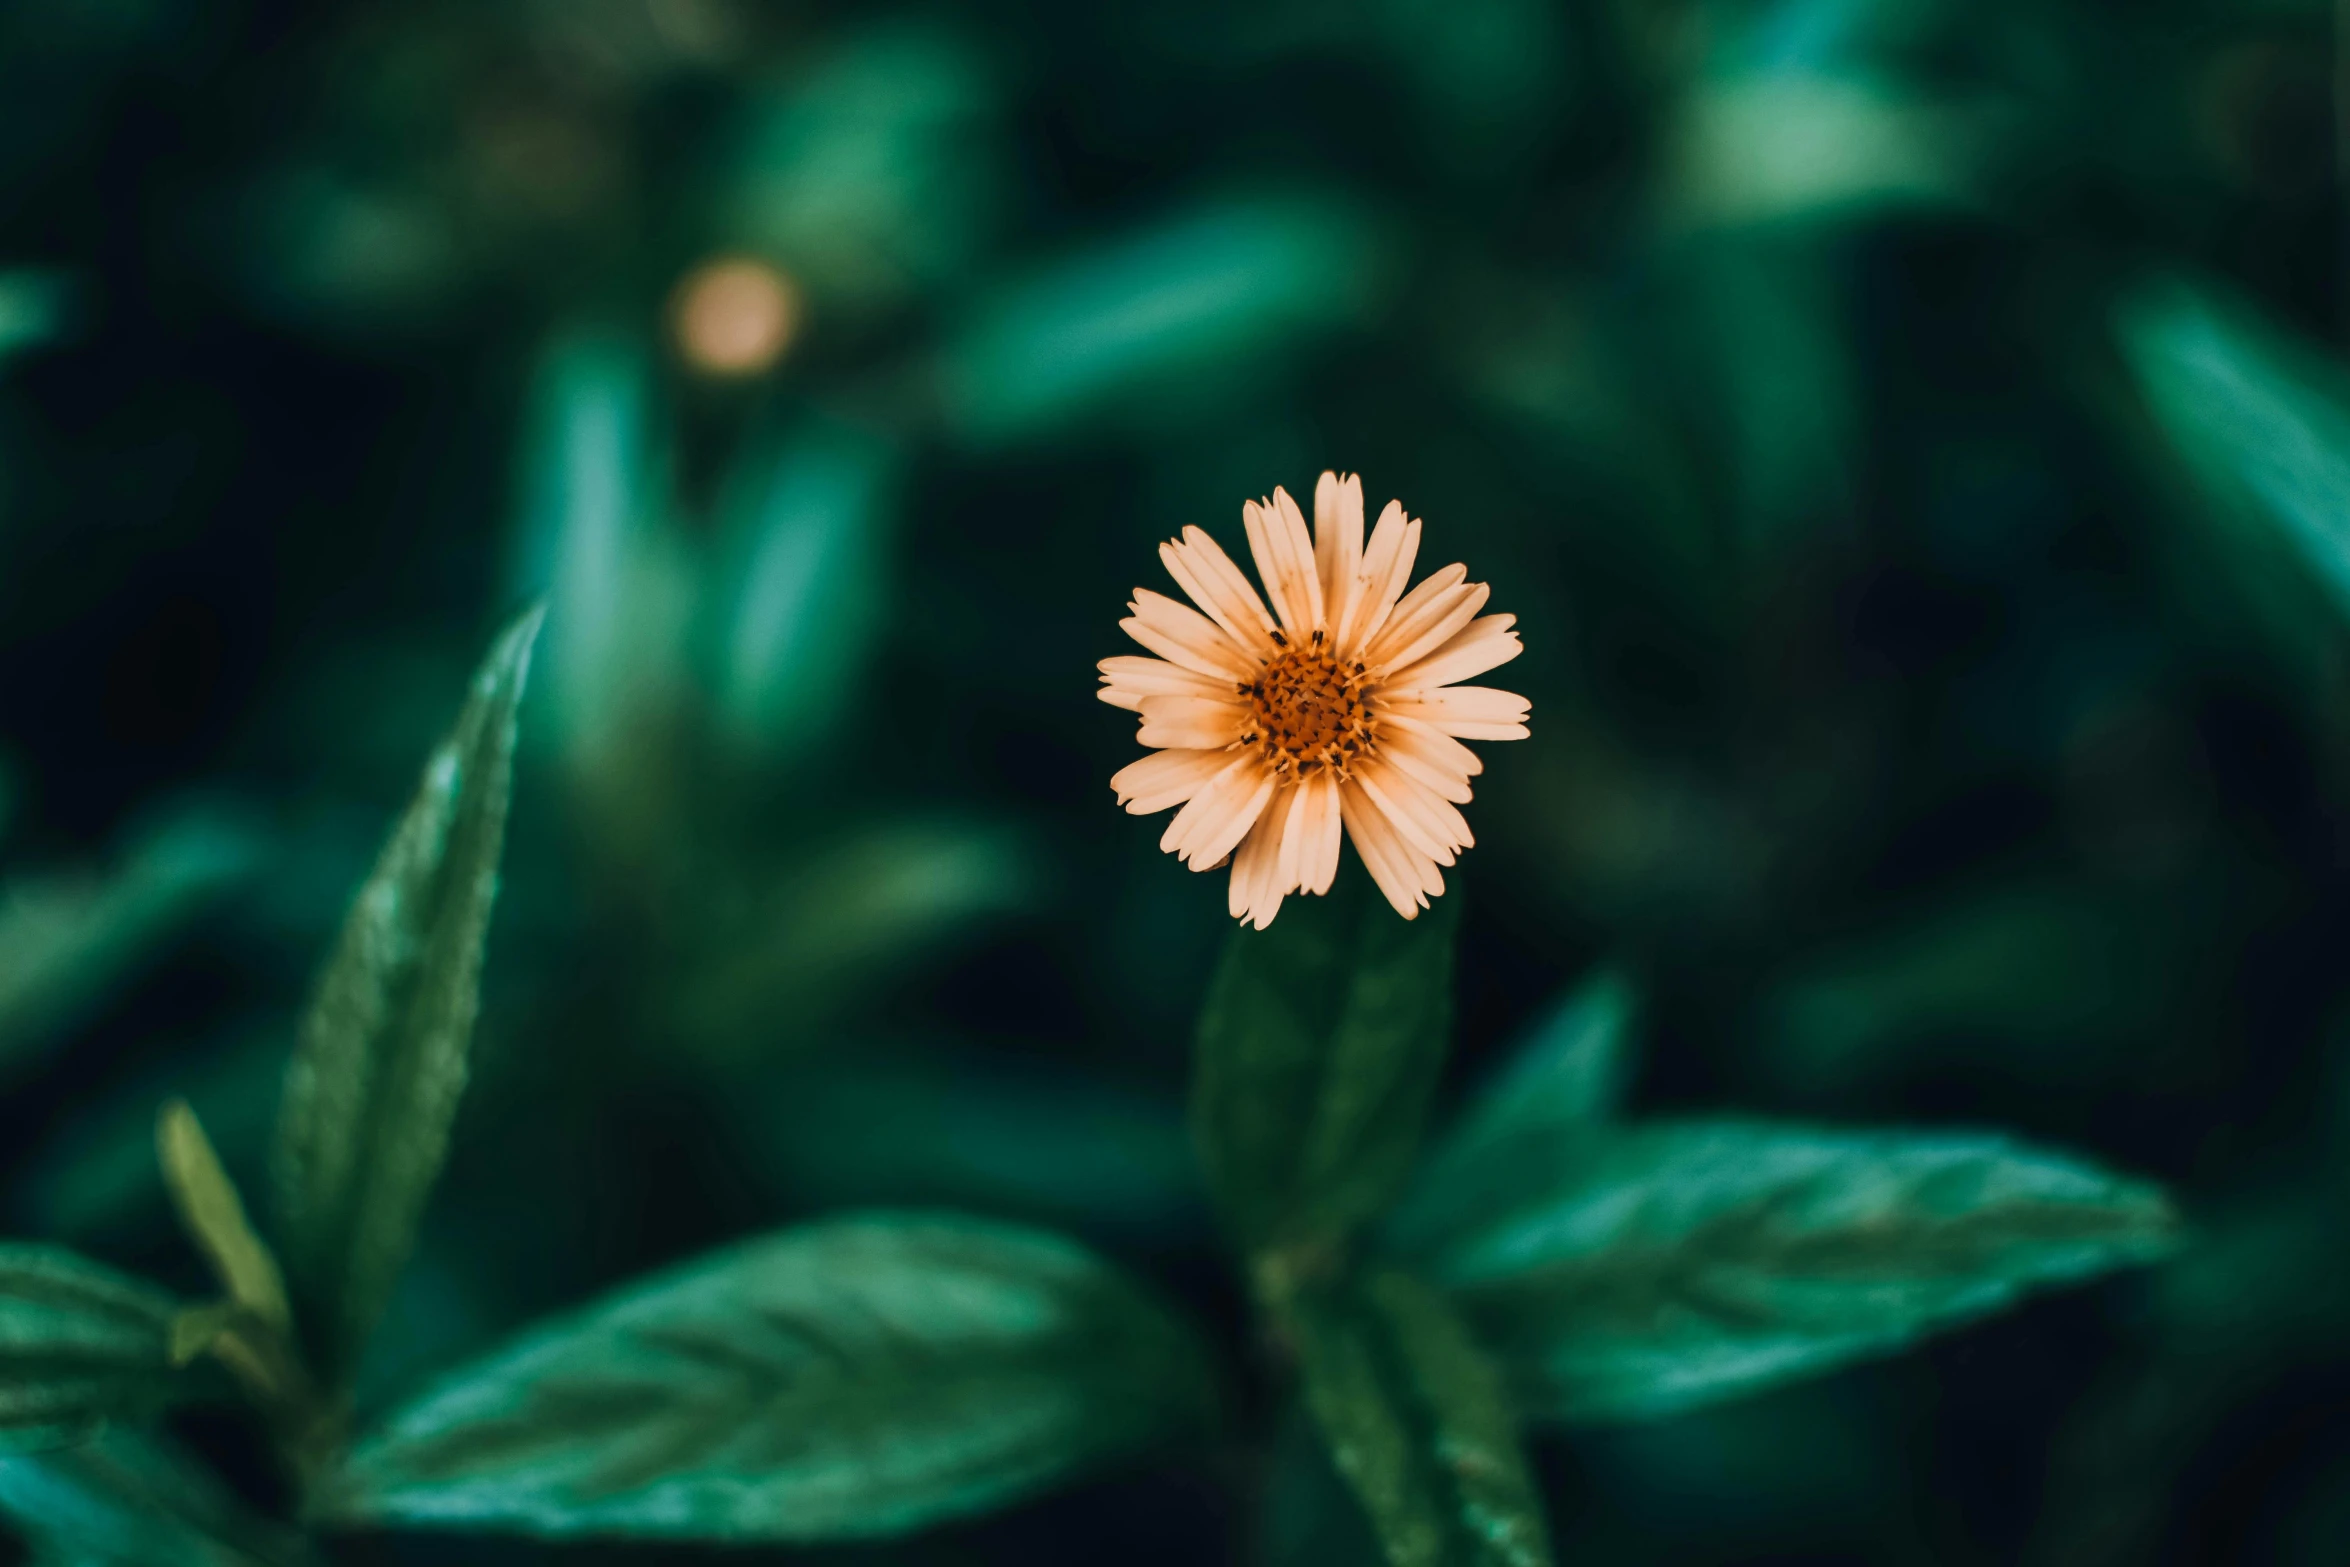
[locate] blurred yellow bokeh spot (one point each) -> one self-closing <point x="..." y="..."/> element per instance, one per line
<point x="735" y="316"/>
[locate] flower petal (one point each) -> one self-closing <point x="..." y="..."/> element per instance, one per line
<point x="1436" y="603"/>
<point x="1387" y="566"/>
<point x="1192" y="722"/>
<point x="1285" y="559"/>
<point x="1182" y="635"/>
<point x="1468" y="712"/>
<point x="1424" y="739"/>
<point x="1209" y="559"/>
<point x="1394" y="799"/>
<point x="1257" y="883"/>
<point x="1338" y="543"/>
<point x="1485" y="643"/>
<point x="1393" y="864"/>
<point x="1220" y="815"/>
<point x="1165" y="778"/>
<point x="1322" y="830"/>
<point x="1413" y="753"/>
<point x="1412" y="802"/>
<point x="1156" y="677"/>
<point x="1227" y="600"/>
<point x="1293" y="807"/>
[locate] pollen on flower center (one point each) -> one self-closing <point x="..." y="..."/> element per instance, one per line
<point x="1307" y="711"/>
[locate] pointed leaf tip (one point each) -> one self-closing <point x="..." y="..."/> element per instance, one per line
<point x="374" y="1083"/>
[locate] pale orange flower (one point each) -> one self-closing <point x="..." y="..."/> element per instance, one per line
<point x="1335" y="708"/>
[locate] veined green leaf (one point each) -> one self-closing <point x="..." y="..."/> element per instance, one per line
<point x="861" y="1377"/>
<point x="79" y="1345"/>
<point x="1564" y="1082"/>
<point x="1681" y="1263"/>
<point x="132" y="1499"/>
<point x="1417" y="1421"/>
<point x="1319" y="1046"/>
<point x="375" y="1079"/>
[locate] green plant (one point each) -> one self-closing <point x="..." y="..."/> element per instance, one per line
<point x="870" y="1374"/>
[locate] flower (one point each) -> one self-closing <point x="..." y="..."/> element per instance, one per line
<point x="1337" y="707"/>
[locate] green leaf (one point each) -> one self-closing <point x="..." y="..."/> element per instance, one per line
<point x="2262" y="423"/>
<point x="1310" y="1517"/>
<point x="36" y="307"/>
<point x="874" y="172"/>
<point x="1566" y="1080"/>
<point x="375" y="1079"/>
<point x="1185" y="311"/>
<point x="862" y="1128"/>
<point x="2048" y="979"/>
<point x="67" y="943"/>
<point x="805" y="556"/>
<point x="1795" y="145"/>
<point x="1319" y="1046"/>
<point x="1418" y="1423"/>
<point x="1680" y="1263"/>
<point x="214" y="1216"/>
<point x="861" y="1377"/>
<point x="831" y="925"/>
<point x="79" y="1344"/>
<point x="131" y="1499"/>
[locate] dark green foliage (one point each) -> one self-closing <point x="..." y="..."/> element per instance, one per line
<point x="134" y="1499"/>
<point x="1542" y="1109"/>
<point x="1319" y="1043"/>
<point x="373" y="1087"/>
<point x="80" y="1344"/>
<point x="860" y="1377"/>
<point x="1913" y="435"/>
<point x="65" y="942"/>
<point x="1665" y="1265"/>
<point x="1418" y="1422"/>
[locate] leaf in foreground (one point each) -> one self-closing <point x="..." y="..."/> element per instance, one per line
<point x="131" y="1499"/>
<point x="214" y="1216"/>
<point x="856" y="1378"/>
<point x="1563" y="1084"/>
<point x="79" y="1344"/>
<point x="374" y="1083"/>
<point x="1319" y="1047"/>
<point x="1688" y="1262"/>
<point x="1417" y="1421"/>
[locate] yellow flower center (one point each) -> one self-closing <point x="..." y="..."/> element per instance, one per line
<point x="1308" y="711"/>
